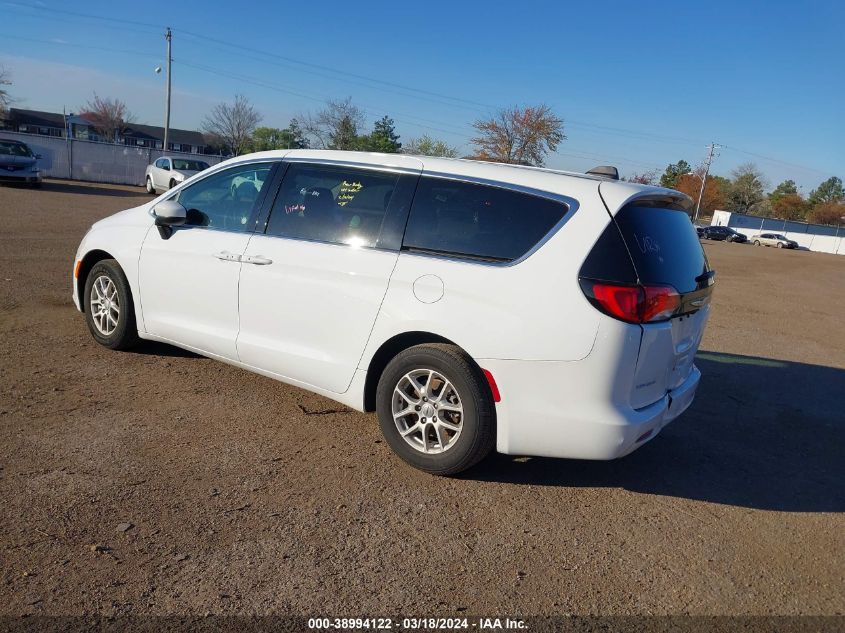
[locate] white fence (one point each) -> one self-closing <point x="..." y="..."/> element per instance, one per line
<point x="814" y="237"/>
<point x="96" y="162"/>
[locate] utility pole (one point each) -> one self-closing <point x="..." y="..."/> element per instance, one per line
<point x="168" y="36"/>
<point x="712" y="147"/>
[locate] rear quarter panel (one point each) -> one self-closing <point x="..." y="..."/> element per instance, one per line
<point x="532" y="310"/>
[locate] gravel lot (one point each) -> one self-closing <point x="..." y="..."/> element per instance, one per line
<point x="158" y="482"/>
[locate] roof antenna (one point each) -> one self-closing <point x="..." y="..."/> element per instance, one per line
<point x="605" y="171"/>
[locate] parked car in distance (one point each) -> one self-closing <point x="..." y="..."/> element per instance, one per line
<point x="472" y="305"/>
<point x="253" y="178"/>
<point x="18" y="163"/>
<point x="774" y="239"/>
<point x="722" y="233"/>
<point x="165" y="173"/>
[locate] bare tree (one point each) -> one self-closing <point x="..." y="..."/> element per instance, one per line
<point x="109" y="117"/>
<point x="334" y="127"/>
<point x="519" y="135"/>
<point x="5" y="99"/>
<point x="644" y="178"/>
<point x="233" y="124"/>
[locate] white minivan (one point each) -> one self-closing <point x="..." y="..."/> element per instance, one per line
<point x="472" y="305"/>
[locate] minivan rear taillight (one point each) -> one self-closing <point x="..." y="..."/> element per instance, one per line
<point x="633" y="303"/>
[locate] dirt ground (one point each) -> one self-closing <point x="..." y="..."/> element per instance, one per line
<point x="157" y="482"/>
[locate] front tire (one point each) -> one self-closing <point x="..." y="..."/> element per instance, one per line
<point x="150" y="189"/>
<point x="172" y="184"/>
<point x="435" y="409"/>
<point x="109" y="311"/>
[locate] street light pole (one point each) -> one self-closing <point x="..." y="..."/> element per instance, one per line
<point x="168" y="36"/>
<point x="709" y="160"/>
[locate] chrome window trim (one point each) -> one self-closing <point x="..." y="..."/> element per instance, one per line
<point x="329" y="162"/>
<point x="327" y="243"/>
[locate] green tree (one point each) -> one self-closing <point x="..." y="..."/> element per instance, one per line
<point x="383" y="138"/>
<point x="345" y="135"/>
<point x="829" y="191"/>
<point x="786" y="188"/>
<point x="427" y="146"/>
<point x="746" y="191"/>
<point x="669" y="179"/>
<point x="269" y="138"/>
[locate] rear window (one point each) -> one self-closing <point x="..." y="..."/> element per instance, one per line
<point x="663" y="245"/>
<point x="477" y="221"/>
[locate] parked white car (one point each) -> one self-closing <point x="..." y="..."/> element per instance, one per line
<point x="773" y="239"/>
<point x="472" y="305"/>
<point x="165" y="173"/>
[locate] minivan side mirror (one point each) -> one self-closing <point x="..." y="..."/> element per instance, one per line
<point x="169" y="214"/>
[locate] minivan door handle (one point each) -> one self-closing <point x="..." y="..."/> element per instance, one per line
<point x="258" y="260"/>
<point x="226" y="256"/>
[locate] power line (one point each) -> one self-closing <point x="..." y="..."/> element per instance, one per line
<point x="72" y="45"/>
<point x="345" y="76"/>
<point x="777" y="160"/>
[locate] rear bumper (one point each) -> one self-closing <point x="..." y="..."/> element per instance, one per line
<point x="580" y="409"/>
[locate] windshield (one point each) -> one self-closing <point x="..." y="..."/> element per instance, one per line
<point x="10" y="148"/>
<point x="189" y="165"/>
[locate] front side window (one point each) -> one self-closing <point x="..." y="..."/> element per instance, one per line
<point x="332" y="204"/>
<point x="478" y="221"/>
<point x="227" y="199"/>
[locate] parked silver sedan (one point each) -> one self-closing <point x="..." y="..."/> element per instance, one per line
<point x="773" y="239"/>
<point x="166" y="173"/>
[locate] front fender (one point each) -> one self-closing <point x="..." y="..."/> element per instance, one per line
<point x="121" y="242"/>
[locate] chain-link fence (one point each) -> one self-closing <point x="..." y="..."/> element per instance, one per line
<point x="96" y="162"/>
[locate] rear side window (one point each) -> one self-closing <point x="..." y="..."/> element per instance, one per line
<point x="663" y="245"/>
<point x="332" y="204"/>
<point x="478" y="221"/>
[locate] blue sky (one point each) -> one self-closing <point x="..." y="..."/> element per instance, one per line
<point x="639" y="85"/>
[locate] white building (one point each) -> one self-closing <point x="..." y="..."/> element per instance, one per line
<point x="814" y="237"/>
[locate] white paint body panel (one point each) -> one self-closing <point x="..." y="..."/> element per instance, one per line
<point x="307" y="315"/>
<point x="188" y="294"/>
<point x="316" y="316"/>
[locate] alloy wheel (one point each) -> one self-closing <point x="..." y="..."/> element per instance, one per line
<point x="427" y="411"/>
<point x="105" y="305"/>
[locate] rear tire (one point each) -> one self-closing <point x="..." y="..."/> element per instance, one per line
<point x="780" y="245"/>
<point x="150" y="189"/>
<point x="756" y="242"/>
<point x="109" y="311"/>
<point x="449" y="422"/>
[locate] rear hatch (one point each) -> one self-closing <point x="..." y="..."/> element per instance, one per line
<point x="649" y="269"/>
